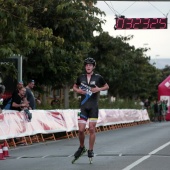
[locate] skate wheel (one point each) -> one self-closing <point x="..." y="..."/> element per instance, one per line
<point x="74" y="160"/>
<point x="91" y="160"/>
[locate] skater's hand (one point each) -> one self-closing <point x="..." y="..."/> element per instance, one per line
<point x="95" y="89"/>
<point x="80" y="91"/>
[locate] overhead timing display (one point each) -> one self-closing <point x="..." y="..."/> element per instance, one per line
<point x="141" y="23"/>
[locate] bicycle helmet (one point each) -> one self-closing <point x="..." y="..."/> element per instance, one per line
<point x="90" y="61"/>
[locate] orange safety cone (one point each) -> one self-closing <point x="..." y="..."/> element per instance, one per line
<point x="5" y="149"/>
<point x="1" y="153"/>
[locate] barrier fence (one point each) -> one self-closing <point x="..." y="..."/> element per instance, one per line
<point x="13" y="124"/>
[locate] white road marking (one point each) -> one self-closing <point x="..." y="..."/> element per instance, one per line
<point x="45" y="156"/>
<point x="129" y="167"/>
<point x="20" y="157"/>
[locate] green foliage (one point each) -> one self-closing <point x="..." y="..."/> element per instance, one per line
<point x="74" y="23"/>
<point x="165" y="73"/>
<point x="126" y="69"/>
<point x="7" y="69"/>
<point x="103" y="104"/>
<point x="16" y="34"/>
<point x="118" y="104"/>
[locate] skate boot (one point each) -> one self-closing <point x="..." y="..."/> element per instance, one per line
<point x="79" y="153"/>
<point x="90" y="155"/>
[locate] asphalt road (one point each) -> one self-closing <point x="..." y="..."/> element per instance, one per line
<point x="141" y="147"/>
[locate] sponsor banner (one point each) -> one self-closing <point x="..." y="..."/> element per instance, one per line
<point x="14" y="124"/>
<point x="71" y="119"/>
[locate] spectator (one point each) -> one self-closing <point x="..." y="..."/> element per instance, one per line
<point x="155" y="110"/>
<point x="2" y="90"/>
<point x="55" y="102"/>
<point x="30" y="95"/>
<point x="7" y="102"/>
<point x="159" y="111"/>
<point x="164" y="110"/>
<point x="19" y="101"/>
<point x="16" y="91"/>
<point x="146" y="104"/>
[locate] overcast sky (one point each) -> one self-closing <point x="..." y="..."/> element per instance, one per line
<point x="157" y="40"/>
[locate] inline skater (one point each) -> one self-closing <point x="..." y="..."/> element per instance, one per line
<point x="89" y="86"/>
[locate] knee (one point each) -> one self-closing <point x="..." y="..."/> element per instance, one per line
<point x="91" y="130"/>
<point x="81" y="131"/>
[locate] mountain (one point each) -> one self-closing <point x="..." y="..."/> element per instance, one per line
<point x="160" y="62"/>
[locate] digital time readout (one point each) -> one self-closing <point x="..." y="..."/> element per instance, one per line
<point x="141" y="23"/>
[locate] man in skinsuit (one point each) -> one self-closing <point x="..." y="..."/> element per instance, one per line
<point x="89" y="86"/>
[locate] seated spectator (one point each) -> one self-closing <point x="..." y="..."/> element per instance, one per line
<point x="19" y="85"/>
<point x="2" y="90"/>
<point x="7" y="101"/>
<point x="19" y="101"/>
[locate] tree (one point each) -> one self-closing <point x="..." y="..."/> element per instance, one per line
<point x="165" y="73"/>
<point x="126" y="69"/>
<point x="55" y="36"/>
<point x="16" y="36"/>
<point x="73" y="21"/>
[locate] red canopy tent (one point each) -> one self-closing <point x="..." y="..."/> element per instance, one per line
<point x="164" y="94"/>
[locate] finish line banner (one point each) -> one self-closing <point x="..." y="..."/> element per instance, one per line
<point x="14" y="123"/>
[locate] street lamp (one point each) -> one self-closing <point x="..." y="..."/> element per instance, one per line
<point x="145" y="44"/>
<point x="20" y="60"/>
